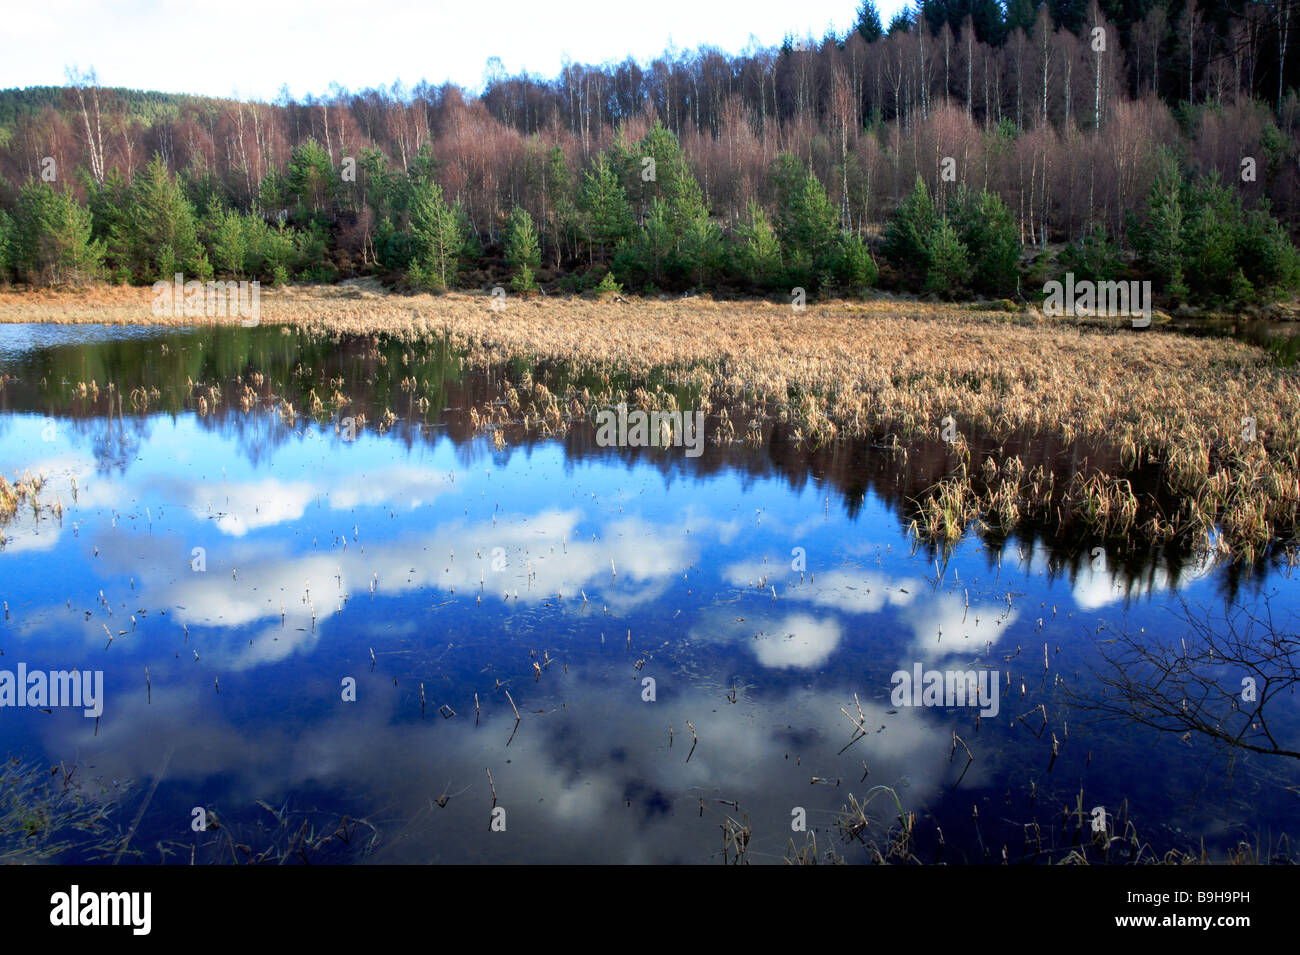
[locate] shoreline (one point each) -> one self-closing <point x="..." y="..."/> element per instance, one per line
<point x="130" y="305"/>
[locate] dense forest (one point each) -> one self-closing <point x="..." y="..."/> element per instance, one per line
<point x="968" y="147"/>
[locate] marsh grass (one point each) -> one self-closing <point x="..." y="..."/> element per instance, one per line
<point x="277" y="836"/>
<point x="890" y="836"/>
<point x="47" y="813"/>
<point x="880" y="371"/>
<point x="887" y="841"/>
<point x="807" y="854"/>
<point x="26" y="493"/>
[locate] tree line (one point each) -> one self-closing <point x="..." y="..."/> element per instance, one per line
<point x="969" y="148"/>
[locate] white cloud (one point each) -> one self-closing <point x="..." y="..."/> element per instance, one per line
<point x="1106" y="585"/>
<point x="797" y="641"/>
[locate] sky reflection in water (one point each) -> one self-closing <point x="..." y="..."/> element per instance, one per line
<point x="484" y="562"/>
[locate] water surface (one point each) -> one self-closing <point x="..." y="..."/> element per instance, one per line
<point x="255" y="562"/>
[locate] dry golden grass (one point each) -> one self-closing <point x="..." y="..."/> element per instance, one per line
<point x="25" y="491"/>
<point x="854" y="369"/>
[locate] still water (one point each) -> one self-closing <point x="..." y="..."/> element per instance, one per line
<point x="336" y="650"/>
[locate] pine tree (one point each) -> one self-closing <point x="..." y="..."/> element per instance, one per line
<point x="676" y="241"/>
<point x="807" y="223"/>
<point x="1095" y="258"/>
<point x="160" y="232"/>
<point x="1164" y="243"/>
<point x="561" y="213"/>
<point x="988" y="230"/>
<point x="991" y="26"/>
<point x="311" y="176"/>
<point x="1068" y="14"/>
<point x="648" y="256"/>
<point x="758" y="253"/>
<point x="110" y="208"/>
<point x="229" y="243"/>
<point x="437" y="237"/>
<point x="603" y="205"/>
<point x="51" y="240"/>
<point x="868" y="25"/>
<point x="949" y="269"/>
<point x="1020" y="15"/>
<point x="379" y="183"/>
<point x="275" y="251"/>
<point x="549" y="181"/>
<point x="1211" y="249"/>
<point x="423" y="166"/>
<point x="523" y="254"/>
<point x="471" y="248"/>
<point x="1265" y="253"/>
<point x="608" y="286"/>
<point x="6" y="247"/>
<point x="901" y="23"/>
<point x="700" y="246"/>
<point x="855" y="268"/>
<point x="907" y="236"/>
<point x="656" y="167"/>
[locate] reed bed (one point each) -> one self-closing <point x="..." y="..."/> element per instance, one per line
<point x="860" y="370"/>
<point x="25" y="492"/>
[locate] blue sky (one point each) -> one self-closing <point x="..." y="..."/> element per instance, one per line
<point x="251" y="47"/>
